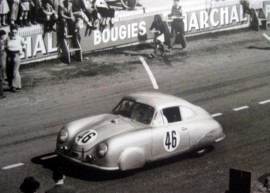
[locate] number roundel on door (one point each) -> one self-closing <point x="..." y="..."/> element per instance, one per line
<point x="171" y="140"/>
<point x="86" y="137"/>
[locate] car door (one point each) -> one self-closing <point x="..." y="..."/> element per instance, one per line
<point x="169" y="133"/>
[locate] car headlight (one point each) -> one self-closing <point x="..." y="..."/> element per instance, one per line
<point x="102" y="149"/>
<point x="63" y="135"/>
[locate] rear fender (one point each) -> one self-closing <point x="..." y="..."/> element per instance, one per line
<point x="211" y="137"/>
<point x="205" y="141"/>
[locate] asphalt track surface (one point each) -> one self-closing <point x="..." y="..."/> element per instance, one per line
<point x="220" y="72"/>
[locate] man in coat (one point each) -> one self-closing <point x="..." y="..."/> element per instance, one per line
<point x="178" y="27"/>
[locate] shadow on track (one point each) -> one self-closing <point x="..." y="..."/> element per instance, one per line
<point x="51" y="161"/>
<point x="258" y="48"/>
<point x="76" y="170"/>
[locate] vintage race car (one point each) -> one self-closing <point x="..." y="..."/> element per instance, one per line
<point x="143" y="127"/>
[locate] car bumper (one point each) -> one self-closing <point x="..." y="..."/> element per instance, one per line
<point x="63" y="156"/>
<point x="220" y="139"/>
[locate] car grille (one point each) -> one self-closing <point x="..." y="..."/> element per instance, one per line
<point x="73" y="154"/>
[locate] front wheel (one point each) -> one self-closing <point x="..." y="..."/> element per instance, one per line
<point x="129" y="4"/>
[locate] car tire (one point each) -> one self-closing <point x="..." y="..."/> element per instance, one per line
<point x="201" y="152"/>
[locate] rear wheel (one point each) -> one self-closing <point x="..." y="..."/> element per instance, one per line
<point x="129" y="4"/>
<point x="201" y="152"/>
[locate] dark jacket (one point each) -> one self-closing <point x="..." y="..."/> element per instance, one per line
<point x="163" y="28"/>
<point x="177" y="23"/>
<point x="159" y="26"/>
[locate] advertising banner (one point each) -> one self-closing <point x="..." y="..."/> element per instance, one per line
<point x="39" y="48"/>
<point x="214" y="19"/>
<point x="135" y="30"/>
<point x="124" y="32"/>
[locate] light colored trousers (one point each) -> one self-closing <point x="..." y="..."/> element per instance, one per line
<point x="13" y="67"/>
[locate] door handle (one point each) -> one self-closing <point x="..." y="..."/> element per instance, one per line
<point x="184" y="128"/>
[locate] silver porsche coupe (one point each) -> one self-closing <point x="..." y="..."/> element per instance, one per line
<point x="143" y="127"/>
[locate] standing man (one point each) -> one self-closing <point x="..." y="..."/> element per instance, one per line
<point x="60" y="187"/>
<point x="15" y="45"/>
<point x="178" y="26"/>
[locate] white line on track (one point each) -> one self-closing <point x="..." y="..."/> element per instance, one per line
<point x="217" y="114"/>
<point x="266" y="36"/>
<point x="12" y="166"/>
<point x="49" y="157"/>
<point x="152" y="78"/>
<point x="264" y="102"/>
<point x="241" y="108"/>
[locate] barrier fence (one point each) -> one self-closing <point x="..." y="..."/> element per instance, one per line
<point x="132" y="27"/>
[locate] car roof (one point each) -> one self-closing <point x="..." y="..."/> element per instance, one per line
<point x="157" y="100"/>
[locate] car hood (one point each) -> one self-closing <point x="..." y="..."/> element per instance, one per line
<point x="88" y="132"/>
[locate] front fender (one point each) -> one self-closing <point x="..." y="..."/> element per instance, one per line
<point x="131" y="158"/>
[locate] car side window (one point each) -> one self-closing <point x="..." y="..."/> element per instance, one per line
<point x="187" y="113"/>
<point x="172" y="114"/>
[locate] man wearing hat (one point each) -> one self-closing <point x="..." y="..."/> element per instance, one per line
<point x="3" y="58"/>
<point x="60" y="187"/>
<point x="29" y="185"/>
<point x="178" y="27"/>
<point x="14" y="46"/>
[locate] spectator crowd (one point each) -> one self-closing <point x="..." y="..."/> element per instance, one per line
<point x="30" y="12"/>
<point x="66" y="17"/>
<point x="24" y="13"/>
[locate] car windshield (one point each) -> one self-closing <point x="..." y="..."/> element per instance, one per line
<point x="135" y="111"/>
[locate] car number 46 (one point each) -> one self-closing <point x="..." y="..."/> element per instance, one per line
<point x="86" y="137"/>
<point x="171" y="140"/>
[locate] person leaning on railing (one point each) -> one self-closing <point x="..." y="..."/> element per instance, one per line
<point x="25" y="12"/>
<point x="50" y="17"/>
<point x="4" y="9"/>
<point x="14" y="46"/>
<point x="66" y="19"/>
<point x="14" y="11"/>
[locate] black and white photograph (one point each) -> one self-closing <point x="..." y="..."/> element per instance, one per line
<point x="128" y="96"/>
